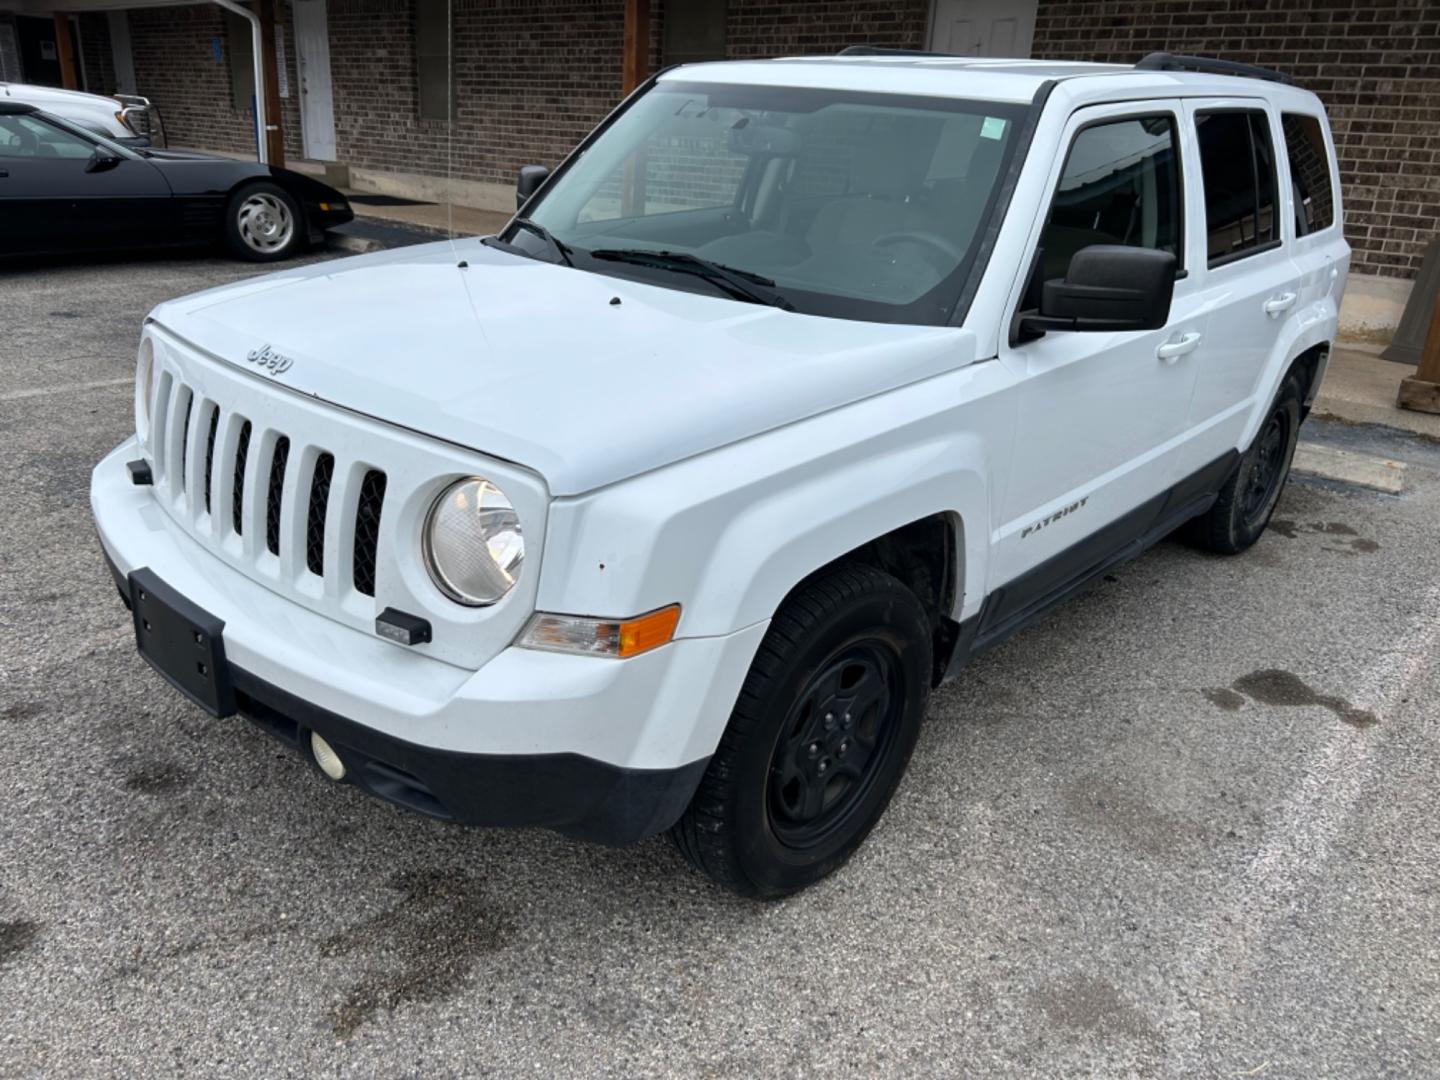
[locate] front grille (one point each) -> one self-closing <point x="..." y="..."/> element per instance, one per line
<point x="185" y="438"/>
<point x="367" y="530"/>
<point x="210" y="454"/>
<point x="274" y="492"/>
<point x="237" y="500"/>
<point x="315" y="519"/>
<point x="316" y="504"/>
<point x="362" y="502"/>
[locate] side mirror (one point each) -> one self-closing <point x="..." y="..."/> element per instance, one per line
<point x="101" y="159"/>
<point x="1108" y="288"/>
<point x="531" y="177"/>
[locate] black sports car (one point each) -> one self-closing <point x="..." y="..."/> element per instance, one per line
<point x="65" y="189"/>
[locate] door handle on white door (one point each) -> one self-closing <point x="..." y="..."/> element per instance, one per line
<point x="1277" y="304"/>
<point x="1173" y="350"/>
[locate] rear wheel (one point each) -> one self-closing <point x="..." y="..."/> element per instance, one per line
<point x="263" y="223"/>
<point x="1249" y="496"/>
<point x="819" y="738"/>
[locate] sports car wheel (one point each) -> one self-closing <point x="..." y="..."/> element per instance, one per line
<point x="263" y="223"/>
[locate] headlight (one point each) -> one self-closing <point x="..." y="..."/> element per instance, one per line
<point x="473" y="544"/>
<point x="144" y="389"/>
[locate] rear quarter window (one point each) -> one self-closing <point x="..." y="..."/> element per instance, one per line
<point x="1313" y="196"/>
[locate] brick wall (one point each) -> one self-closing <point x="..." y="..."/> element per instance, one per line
<point x="176" y="67"/>
<point x="9" y="49"/>
<point x="1375" y="64"/>
<point x="762" y="28"/>
<point x="96" y="55"/>
<point x="530" y="82"/>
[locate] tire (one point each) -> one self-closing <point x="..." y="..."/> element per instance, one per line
<point x="766" y="821"/>
<point x="1248" y="497"/>
<point x="263" y="223"/>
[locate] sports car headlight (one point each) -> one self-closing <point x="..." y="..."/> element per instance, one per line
<point x="473" y="544"/>
<point x="144" y="390"/>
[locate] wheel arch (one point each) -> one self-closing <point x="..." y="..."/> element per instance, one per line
<point x="917" y="508"/>
<point x="1305" y="346"/>
<point x="927" y="556"/>
<point x="1310" y="364"/>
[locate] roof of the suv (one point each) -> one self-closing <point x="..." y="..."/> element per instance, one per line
<point x="983" y="78"/>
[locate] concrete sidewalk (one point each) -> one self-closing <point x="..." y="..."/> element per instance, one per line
<point x="1360" y="388"/>
<point x="430" y="217"/>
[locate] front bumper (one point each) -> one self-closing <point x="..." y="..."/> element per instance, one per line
<point x="601" y="749"/>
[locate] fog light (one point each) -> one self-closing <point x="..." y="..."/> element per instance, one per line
<point x="325" y="756"/>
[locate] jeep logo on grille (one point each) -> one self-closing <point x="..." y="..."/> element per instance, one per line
<point x="269" y="361"/>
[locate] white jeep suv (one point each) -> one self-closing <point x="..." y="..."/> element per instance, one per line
<point x="796" y="385"/>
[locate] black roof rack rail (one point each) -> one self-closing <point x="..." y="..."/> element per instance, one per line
<point x="1163" y="61"/>
<point x="880" y="50"/>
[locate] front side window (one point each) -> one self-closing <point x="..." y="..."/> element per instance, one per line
<point x="28" y="136"/>
<point x="1309" y="173"/>
<point x="1237" y="165"/>
<point x="856" y="205"/>
<point x="1120" y="185"/>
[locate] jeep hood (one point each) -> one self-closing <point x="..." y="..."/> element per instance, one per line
<point x="538" y="364"/>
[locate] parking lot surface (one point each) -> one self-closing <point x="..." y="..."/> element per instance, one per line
<point x="1185" y="826"/>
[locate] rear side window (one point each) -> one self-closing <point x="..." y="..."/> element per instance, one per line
<point x="1309" y="173"/>
<point x="1120" y="185"/>
<point x="1237" y="165"/>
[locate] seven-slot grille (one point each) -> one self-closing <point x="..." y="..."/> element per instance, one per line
<point x="253" y="482"/>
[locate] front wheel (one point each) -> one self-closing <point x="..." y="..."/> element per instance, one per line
<point x="263" y="223"/>
<point x="819" y="737"/>
<point x="1248" y="497"/>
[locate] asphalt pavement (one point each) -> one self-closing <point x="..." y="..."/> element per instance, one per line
<point x="1185" y="826"/>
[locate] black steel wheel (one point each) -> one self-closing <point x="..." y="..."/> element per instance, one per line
<point x="1268" y="467"/>
<point x="833" y="743"/>
<point x="1248" y="497"/>
<point x="819" y="738"/>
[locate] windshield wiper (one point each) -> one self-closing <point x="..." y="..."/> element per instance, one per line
<point x="561" y="249"/>
<point x="742" y="284"/>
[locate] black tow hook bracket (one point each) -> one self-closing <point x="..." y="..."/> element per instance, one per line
<point x="140" y="472"/>
<point x="402" y="627"/>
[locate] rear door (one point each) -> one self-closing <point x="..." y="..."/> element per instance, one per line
<point x="1101" y="415"/>
<point x="53" y="199"/>
<point x="1247" y="281"/>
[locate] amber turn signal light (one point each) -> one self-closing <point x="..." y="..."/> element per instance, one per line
<point x="616" y="638"/>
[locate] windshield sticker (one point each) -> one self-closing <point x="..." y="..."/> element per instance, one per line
<point x="992" y="128"/>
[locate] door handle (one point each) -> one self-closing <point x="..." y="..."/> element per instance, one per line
<point x="1173" y="350"/>
<point x="1277" y="304"/>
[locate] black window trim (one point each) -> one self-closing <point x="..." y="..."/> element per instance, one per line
<point x="1279" y="239"/>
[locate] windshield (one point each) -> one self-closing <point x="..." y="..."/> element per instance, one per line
<point x="857" y="205"/>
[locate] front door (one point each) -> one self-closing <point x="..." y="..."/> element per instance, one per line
<point x="317" y="102"/>
<point x="53" y="198"/>
<point x="983" y="27"/>
<point x="1101" y="415"/>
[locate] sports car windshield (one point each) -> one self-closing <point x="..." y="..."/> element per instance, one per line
<point x="857" y="205"/>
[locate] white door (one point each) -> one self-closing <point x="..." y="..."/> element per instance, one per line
<point x="1101" y="414"/>
<point x="983" y="27"/>
<point x="317" y="103"/>
<point x="120" y="50"/>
